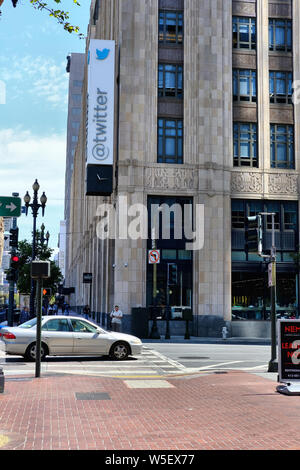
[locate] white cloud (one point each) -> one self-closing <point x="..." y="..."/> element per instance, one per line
<point x="39" y="77"/>
<point x="25" y="157"/>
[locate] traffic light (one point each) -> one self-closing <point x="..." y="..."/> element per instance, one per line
<point x="254" y="234"/>
<point x="13" y="272"/>
<point x="15" y="262"/>
<point x="14" y="235"/>
<point x="47" y="292"/>
<point x="172" y="274"/>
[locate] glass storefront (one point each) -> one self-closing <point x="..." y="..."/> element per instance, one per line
<point x="251" y="296"/>
<point x="250" y="291"/>
<point x="169" y="283"/>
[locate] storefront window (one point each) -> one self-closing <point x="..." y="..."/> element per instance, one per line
<point x="285" y="225"/>
<point x="169" y="283"/>
<point x="251" y="296"/>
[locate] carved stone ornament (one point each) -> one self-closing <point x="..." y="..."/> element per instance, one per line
<point x="170" y="178"/>
<point x="246" y="182"/>
<point x="282" y="183"/>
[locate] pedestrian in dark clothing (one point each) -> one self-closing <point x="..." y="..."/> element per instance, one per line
<point x="24" y="315"/>
<point x="86" y="312"/>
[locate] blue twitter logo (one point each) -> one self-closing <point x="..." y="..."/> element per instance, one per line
<point x="101" y="55"/>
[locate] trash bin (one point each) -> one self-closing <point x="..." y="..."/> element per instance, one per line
<point x="1" y="381"/>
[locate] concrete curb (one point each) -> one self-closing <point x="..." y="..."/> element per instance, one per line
<point x="196" y="340"/>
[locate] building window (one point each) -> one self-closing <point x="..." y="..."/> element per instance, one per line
<point x="170" y="140"/>
<point x="170" y="27"/>
<point x="280" y="35"/>
<point x="76" y="111"/>
<point x="74" y="138"/>
<point x="170" y="80"/>
<point x="244" y="85"/>
<point x="244" y="33"/>
<point x="96" y="11"/>
<point x="77" y="83"/>
<point x="171" y="281"/>
<point x="75" y="125"/>
<point x="245" y="144"/>
<point x="285" y="225"/>
<point x="282" y="146"/>
<point x="281" y="87"/>
<point x="238" y="215"/>
<point x="76" y="98"/>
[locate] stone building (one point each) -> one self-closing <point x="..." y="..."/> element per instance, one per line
<point x="1" y="239"/>
<point x="204" y="116"/>
<point x="75" y="69"/>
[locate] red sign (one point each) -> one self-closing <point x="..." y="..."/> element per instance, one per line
<point x="289" y="350"/>
<point x="154" y="256"/>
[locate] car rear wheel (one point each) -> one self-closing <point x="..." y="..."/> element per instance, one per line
<point x="30" y="354"/>
<point x="119" y="351"/>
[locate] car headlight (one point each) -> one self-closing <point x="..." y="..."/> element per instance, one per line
<point x="136" y="341"/>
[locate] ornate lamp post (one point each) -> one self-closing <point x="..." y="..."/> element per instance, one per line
<point x="35" y="206"/>
<point x="42" y="237"/>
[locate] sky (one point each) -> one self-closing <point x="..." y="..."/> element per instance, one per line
<point x="33" y="105"/>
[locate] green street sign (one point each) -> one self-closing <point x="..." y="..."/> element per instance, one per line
<point x="10" y="206"/>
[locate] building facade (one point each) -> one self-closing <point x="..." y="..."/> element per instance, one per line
<point x="206" y="115"/>
<point x="75" y="69"/>
<point x="1" y="238"/>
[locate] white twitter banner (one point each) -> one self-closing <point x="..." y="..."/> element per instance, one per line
<point x="100" y="102"/>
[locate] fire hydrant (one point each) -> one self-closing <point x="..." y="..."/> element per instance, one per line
<point x="224" y="332"/>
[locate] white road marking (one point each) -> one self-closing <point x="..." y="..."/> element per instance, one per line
<point x="212" y="366"/>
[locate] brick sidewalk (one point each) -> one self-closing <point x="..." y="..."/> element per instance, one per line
<point x="233" y="410"/>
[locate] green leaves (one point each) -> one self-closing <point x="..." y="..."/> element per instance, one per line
<point x="43" y="253"/>
<point x="61" y="16"/>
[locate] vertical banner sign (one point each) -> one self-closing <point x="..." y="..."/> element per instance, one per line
<point x="289" y="350"/>
<point x="100" y="116"/>
<point x="272" y="274"/>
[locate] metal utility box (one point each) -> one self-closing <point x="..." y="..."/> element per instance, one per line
<point x="187" y="314"/>
<point x="1" y="381"/>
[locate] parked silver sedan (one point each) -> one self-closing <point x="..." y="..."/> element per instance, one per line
<point x="68" y="336"/>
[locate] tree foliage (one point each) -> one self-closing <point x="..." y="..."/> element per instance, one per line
<point x="42" y="253"/>
<point x="61" y="16"/>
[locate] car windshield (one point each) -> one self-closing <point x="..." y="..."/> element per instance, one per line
<point x="28" y="324"/>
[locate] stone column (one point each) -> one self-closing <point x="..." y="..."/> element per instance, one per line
<point x="263" y="100"/>
<point x="208" y="145"/>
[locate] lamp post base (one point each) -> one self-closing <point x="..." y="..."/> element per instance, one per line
<point x="273" y="366"/>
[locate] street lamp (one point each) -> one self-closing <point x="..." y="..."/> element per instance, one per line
<point x="42" y="237"/>
<point x="35" y="206"/>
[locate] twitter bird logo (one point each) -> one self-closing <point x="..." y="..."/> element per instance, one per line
<point x="101" y="55"/>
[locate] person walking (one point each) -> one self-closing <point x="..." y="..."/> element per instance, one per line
<point x="116" y="316"/>
<point x="24" y="315"/>
<point x="86" y="312"/>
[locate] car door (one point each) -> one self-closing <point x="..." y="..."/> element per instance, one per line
<point x="58" y="335"/>
<point x="87" y="338"/>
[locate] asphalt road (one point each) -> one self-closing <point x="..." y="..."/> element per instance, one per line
<point x="157" y="359"/>
<point x="251" y="358"/>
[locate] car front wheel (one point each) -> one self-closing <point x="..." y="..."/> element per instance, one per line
<point x="119" y="351"/>
<point x="30" y="354"/>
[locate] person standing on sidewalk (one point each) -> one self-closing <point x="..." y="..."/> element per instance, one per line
<point x="86" y="312"/>
<point x="116" y="316"/>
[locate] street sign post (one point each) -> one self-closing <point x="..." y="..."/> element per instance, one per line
<point x="10" y="206"/>
<point x="7" y="224"/>
<point x="87" y="278"/>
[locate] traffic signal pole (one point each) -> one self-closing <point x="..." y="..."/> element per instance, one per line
<point x="273" y="365"/>
<point x="254" y="242"/>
